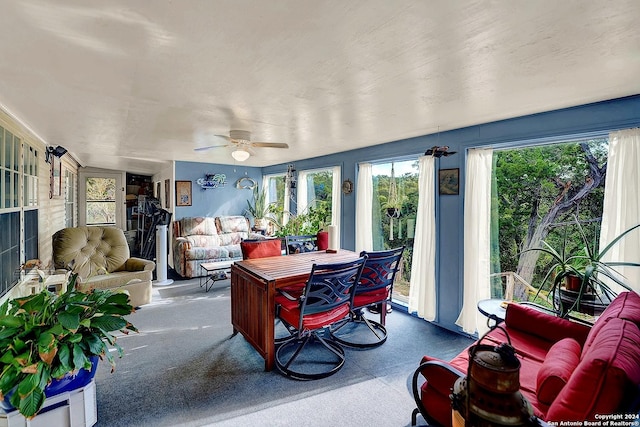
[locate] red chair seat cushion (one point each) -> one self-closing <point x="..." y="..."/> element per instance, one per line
<point x="563" y="357"/>
<point x="290" y="313"/>
<point x="261" y="248"/>
<point x="366" y="298"/>
<point x="606" y="372"/>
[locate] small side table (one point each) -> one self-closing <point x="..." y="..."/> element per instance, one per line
<point x="494" y="309"/>
<point x="212" y="272"/>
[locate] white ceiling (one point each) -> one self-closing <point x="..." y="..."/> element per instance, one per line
<point x="129" y="84"/>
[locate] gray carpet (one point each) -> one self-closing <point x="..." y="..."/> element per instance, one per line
<point x="185" y="369"/>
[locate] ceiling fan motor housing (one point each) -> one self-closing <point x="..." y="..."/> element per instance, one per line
<point x="241" y="136"/>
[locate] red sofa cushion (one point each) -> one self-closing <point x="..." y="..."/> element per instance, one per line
<point x="606" y="371"/>
<point x="563" y="357"/>
<point x="542" y="325"/>
<point x="526" y="345"/>
<point x="626" y="305"/>
<point x="261" y="248"/>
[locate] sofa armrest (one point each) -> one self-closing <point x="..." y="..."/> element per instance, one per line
<point x="183" y="241"/>
<point x="543" y="325"/>
<point x="138" y="264"/>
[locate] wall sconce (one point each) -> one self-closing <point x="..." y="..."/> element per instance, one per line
<point x="59" y="151"/>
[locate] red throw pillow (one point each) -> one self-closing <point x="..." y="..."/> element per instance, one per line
<point x="561" y="360"/>
<point x="261" y="248"/>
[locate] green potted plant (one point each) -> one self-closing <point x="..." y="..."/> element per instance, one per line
<point x="48" y="341"/>
<point x="579" y="280"/>
<point x="313" y="220"/>
<point x="259" y="209"/>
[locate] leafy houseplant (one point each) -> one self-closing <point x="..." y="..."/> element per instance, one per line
<point x="259" y="209"/>
<point x="585" y="269"/>
<point x="310" y="222"/>
<point x="45" y="336"/>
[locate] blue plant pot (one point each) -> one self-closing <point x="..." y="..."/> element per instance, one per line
<point x="67" y="383"/>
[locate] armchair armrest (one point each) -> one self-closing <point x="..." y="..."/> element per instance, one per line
<point x="287" y="295"/>
<point x="138" y="264"/>
<point x="440" y="377"/>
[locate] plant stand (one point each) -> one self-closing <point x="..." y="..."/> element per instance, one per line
<point x="590" y="304"/>
<point x="76" y="408"/>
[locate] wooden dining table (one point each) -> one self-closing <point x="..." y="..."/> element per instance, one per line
<point x="254" y="283"/>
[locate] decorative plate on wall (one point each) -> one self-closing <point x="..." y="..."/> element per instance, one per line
<point x="347" y="186"/>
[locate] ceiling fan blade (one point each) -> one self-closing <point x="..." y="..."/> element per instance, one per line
<point x="270" y="144"/>
<point x="209" y="147"/>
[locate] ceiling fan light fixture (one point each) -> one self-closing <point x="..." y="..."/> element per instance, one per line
<point x="240" y="154"/>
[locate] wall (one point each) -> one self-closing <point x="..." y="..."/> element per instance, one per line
<point x="226" y="200"/>
<point x="592" y="119"/>
<point x="51" y="216"/>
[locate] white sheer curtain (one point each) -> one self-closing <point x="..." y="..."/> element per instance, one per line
<point x="364" y="208"/>
<point x="621" y="209"/>
<point x="302" y="200"/>
<point x="336" y="200"/>
<point x="477" y="239"/>
<point x="422" y="293"/>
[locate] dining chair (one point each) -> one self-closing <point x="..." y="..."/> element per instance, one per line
<point x="374" y="287"/>
<point x="301" y="243"/>
<point x="326" y="299"/>
<point x="261" y="248"/>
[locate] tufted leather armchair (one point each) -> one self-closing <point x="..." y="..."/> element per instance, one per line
<point x="100" y="256"/>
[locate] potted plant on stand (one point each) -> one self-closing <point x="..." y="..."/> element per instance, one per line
<point x="51" y="343"/>
<point x="581" y="280"/>
<point x="259" y="209"/>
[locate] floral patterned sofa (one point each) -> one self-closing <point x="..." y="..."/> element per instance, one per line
<point x="205" y="239"/>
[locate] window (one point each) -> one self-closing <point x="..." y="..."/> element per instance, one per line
<point x="395" y="203"/>
<point x="31" y="234"/>
<point x="316" y="187"/>
<point x="277" y="194"/>
<point x="70" y="202"/>
<point x="101" y="201"/>
<point x="30" y="176"/>
<point x="18" y="205"/>
<point x="539" y="192"/>
<point x="9" y="181"/>
<point x="9" y="250"/>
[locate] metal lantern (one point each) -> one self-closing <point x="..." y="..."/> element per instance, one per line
<point x="490" y="393"/>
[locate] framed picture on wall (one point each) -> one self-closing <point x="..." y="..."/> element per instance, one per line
<point x="183" y="193"/>
<point x="448" y="181"/>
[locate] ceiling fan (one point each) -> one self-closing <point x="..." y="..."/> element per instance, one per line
<point x="242" y="145"/>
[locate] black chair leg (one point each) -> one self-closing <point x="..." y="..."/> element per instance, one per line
<point x="353" y="324"/>
<point x="289" y="352"/>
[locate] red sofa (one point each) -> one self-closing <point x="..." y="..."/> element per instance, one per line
<point x="569" y="371"/>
